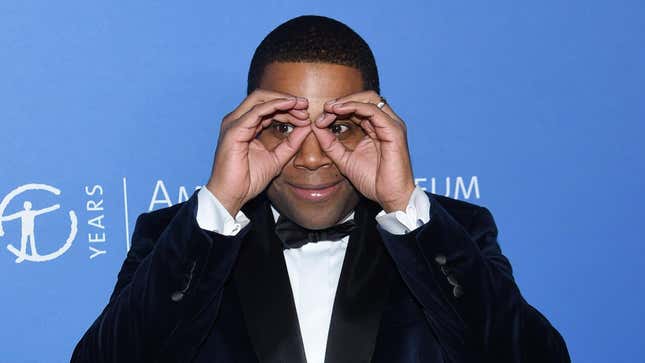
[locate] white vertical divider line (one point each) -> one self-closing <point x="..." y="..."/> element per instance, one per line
<point x="125" y="207"/>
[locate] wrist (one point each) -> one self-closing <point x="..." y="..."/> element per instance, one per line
<point x="232" y="205"/>
<point x="399" y="204"/>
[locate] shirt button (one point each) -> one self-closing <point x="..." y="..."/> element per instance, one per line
<point x="458" y="291"/>
<point x="177" y="296"/>
<point x="440" y="259"/>
<point x="236" y="228"/>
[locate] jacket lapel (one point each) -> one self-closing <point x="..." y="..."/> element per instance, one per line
<point x="362" y="292"/>
<point x="264" y="289"/>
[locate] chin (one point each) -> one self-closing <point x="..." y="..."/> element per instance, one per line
<point x="313" y="215"/>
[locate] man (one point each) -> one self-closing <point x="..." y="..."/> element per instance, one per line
<point x="310" y="241"/>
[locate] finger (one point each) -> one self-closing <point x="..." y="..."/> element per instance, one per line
<point x="325" y="119"/>
<point x="282" y="117"/>
<point x="253" y="117"/>
<point x="386" y="128"/>
<point x="289" y="146"/>
<point x="362" y="96"/>
<point x="330" y="145"/>
<point x="369" y="96"/>
<point x="260" y="95"/>
<point x="267" y="122"/>
<point x="369" y="129"/>
<point x="300" y="114"/>
<point x="377" y="124"/>
<point x="363" y="109"/>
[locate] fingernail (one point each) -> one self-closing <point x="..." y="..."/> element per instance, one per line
<point x="301" y="99"/>
<point x="330" y="102"/>
<point x="321" y="117"/>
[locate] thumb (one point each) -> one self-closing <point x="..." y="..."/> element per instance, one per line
<point x="330" y="145"/>
<point x="289" y="146"/>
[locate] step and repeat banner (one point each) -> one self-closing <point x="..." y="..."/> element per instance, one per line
<point x="535" y="111"/>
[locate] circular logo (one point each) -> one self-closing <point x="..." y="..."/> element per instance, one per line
<point x="27" y="218"/>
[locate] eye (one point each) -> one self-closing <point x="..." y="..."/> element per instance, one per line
<point x="282" y="127"/>
<point x="338" y="128"/>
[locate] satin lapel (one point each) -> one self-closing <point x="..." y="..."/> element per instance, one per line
<point x="362" y="291"/>
<point x="265" y="293"/>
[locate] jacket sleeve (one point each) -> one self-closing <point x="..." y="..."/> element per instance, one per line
<point x="467" y="290"/>
<point x="168" y="281"/>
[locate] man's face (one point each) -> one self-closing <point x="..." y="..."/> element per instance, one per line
<point x="297" y="192"/>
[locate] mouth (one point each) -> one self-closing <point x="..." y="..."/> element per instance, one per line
<point x="315" y="193"/>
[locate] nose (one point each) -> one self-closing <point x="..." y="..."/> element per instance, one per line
<point x="311" y="156"/>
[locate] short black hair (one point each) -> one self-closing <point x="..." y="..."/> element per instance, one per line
<point x="318" y="39"/>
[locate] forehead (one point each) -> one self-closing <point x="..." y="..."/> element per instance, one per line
<point x="312" y="80"/>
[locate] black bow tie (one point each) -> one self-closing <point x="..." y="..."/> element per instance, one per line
<point x="295" y="236"/>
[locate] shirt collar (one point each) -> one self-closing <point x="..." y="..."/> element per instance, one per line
<point x="276" y="214"/>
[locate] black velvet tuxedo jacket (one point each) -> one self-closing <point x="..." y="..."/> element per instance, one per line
<point x="441" y="293"/>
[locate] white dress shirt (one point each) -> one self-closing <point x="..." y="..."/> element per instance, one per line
<point x="314" y="269"/>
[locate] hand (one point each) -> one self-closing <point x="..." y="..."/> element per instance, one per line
<point x="243" y="166"/>
<point x="379" y="166"/>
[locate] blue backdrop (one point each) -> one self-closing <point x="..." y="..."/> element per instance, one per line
<point x="534" y="110"/>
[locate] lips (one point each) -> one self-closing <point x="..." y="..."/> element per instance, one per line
<point x="315" y="193"/>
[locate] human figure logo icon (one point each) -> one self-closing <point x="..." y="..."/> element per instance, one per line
<point x="27" y="217"/>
